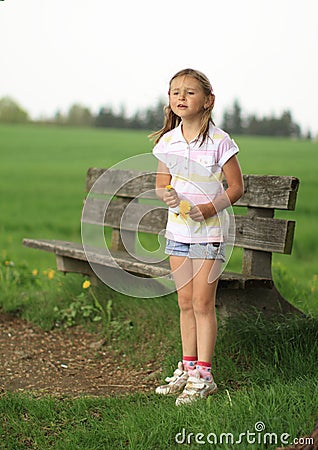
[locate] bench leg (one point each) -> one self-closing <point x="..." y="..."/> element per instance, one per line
<point x="267" y="301"/>
<point x="71" y="265"/>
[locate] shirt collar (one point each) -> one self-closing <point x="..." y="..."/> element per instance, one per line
<point x="177" y="135"/>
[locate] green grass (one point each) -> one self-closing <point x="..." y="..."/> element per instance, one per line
<point x="42" y="178"/>
<point x="117" y="423"/>
<point x="265" y="369"/>
<point x="267" y="373"/>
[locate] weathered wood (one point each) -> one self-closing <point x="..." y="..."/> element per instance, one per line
<point x="71" y="257"/>
<point x="123" y="240"/>
<point x="255" y="233"/>
<point x="148" y="218"/>
<point x="123" y="183"/>
<point x="101" y="256"/>
<point x="255" y="262"/>
<point x="71" y="265"/>
<point x="132" y="207"/>
<point x="252" y="300"/>
<point x="269" y="191"/>
<point x="264" y="191"/>
<point x="268" y="235"/>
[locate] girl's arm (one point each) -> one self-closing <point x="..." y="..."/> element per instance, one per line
<point x="235" y="190"/>
<point x="163" y="179"/>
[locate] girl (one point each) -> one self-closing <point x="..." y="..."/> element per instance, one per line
<point x="193" y="157"/>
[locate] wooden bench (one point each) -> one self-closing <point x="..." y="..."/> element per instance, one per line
<point x="258" y="233"/>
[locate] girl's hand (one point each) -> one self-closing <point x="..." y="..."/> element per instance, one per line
<point x="199" y="213"/>
<point x="170" y="197"/>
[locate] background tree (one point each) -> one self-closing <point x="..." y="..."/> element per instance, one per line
<point x="59" y="119"/>
<point x="11" y="111"/>
<point x="79" y="115"/>
<point x="154" y="116"/>
<point x="151" y="118"/>
<point x="108" y="119"/>
<point x="232" y="119"/>
<point x="283" y="126"/>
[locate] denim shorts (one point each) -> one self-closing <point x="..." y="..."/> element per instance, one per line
<point x="210" y="250"/>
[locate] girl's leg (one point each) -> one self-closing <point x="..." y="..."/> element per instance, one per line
<point x="181" y="268"/>
<point x="203" y="298"/>
<point x="200" y="383"/>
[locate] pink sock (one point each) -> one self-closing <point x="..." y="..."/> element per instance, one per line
<point x="205" y="370"/>
<point x="189" y="362"/>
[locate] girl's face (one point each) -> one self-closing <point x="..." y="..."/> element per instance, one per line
<point x="187" y="98"/>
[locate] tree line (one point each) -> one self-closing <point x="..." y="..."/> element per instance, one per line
<point x="151" y="118"/>
<point x="238" y="123"/>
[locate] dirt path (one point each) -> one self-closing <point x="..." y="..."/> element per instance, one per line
<point x="61" y="362"/>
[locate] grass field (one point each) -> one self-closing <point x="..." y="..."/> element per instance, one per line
<point x="266" y="370"/>
<point x="42" y="176"/>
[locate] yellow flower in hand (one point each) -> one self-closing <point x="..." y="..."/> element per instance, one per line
<point x="184" y="208"/>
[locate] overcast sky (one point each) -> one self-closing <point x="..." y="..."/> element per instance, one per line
<point x="54" y="53"/>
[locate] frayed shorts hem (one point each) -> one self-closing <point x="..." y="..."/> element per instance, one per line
<point x="209" y="250"/>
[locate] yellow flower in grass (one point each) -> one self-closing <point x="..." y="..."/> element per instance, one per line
<point x="51" y="274"/>
<point x="86" y="284"/>
<point x="184" y="208"/>
<point x="35" y="272"/>
<point x="9" y="263"/>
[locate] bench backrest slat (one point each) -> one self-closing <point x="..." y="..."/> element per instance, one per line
<point x="257" y="233"/>
<point x="277" y="192"/>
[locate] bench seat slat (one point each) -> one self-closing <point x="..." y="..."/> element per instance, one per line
<point x="260" y="191"/>
<point x="75" y="251"/>
<point x="98" y="256"/>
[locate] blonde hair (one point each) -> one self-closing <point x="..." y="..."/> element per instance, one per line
<point x="171" y="120"/>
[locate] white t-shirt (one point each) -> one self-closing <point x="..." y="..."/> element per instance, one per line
<point x="197" y="176"/>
